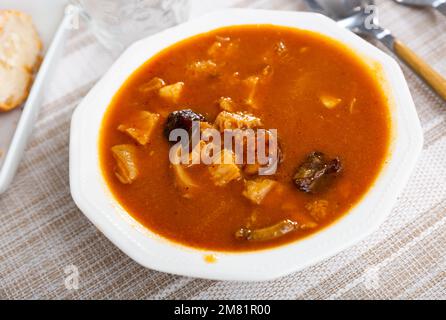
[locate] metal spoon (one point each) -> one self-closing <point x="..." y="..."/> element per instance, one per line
<point x="360" y="16"/>
<point x="440" y="5"/>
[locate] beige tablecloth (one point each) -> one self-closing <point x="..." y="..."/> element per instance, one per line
<point x="43" y="236"/>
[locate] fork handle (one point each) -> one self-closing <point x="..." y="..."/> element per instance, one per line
<point x="441" y="6"/>
<point x="426" y="72"/>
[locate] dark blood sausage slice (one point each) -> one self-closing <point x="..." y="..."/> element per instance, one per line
<point x="181" y="119"/>
<point x="316" y="172"/>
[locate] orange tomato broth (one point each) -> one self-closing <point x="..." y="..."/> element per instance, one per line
<point x="357" y="131"/>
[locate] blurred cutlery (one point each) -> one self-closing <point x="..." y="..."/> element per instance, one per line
<point x="440" y="5"/>
<point x="360" y="16"/>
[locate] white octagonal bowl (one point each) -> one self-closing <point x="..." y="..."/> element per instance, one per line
<point x="91" y="194"/>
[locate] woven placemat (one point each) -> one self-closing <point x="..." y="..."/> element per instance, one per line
<point x="49" y="249"/>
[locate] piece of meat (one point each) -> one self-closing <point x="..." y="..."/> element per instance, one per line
<point x="251" y="83"/>
<point x="280" y="49"/>
<point x="140" y="126"/>
<point x="153" y="85"/>
<point x="226" y="104"/>
<point x="318" y="209"/>
<point x="236" y="120"/>
<point x="172" y="93"/>
<point x="256" y="190"/>
<point x="203" y="67"/>
<point x="20" y="55"/>
<point x="126" y="169"/>
<point x="181" y="119"/>
<point x="251" y="169"/>
<point x="316" y="172"/>
<point x="195" y="154"/>
<point x="226" y="170"/>
<point x="269" y="233"/>
<point x="330" y="102"/>
<point x="183" y="182"/>
<point x="223" y="48"/>
<point x="267" y="159"/>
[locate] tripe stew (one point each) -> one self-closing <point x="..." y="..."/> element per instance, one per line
<point x="333" y="132"/>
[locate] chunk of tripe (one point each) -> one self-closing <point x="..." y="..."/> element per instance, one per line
<point x="226" y="104"/>
<point x="256" y="190"/>
<point x="126" y="169"/>
<point x="227" y="170"/>
<point x="223" y="47"/>
<point x="236" y="120"/>
<point x="153" y="85"/>
<point x="140" y="126"/>
<point x="204" y="67"/>
<point x="318" y="209"/>
<point x="329" y="101"/>
<point x="251" y="168"/>
<point x="172" y="92"/>
<point x="251" y="84"/>
<point x="183" y="181"/>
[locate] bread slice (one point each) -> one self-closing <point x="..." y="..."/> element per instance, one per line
<point x="20" y="49"/>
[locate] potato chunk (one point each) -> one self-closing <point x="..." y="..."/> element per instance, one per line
<point x="226" y="171"/>
<point x="256" y="190"/>
<point x="140" y="127"/>
<point x="172" y="93"/>
<point x="126" y="168"/>
<point x="236" y="120"/>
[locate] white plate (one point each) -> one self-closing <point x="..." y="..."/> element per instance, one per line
<point x="93" y="197"/>
<point x="16" y="125"/>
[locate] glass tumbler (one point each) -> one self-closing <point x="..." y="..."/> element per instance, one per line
<point x="118" y="23"/>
